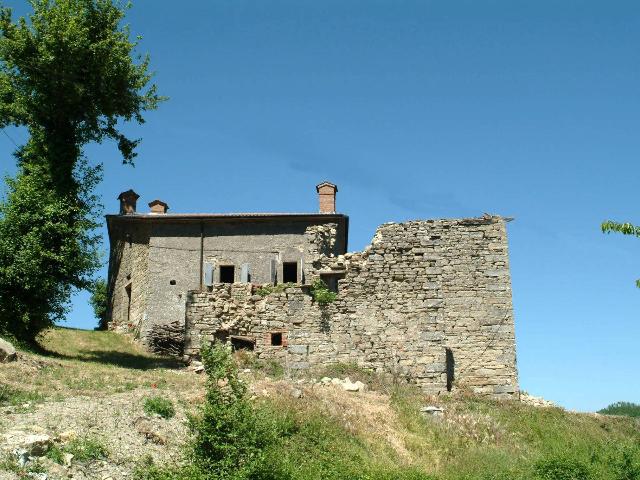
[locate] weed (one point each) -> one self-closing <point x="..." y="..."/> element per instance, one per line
<point x="321" y="293"/>
<point x="268" y="288"/>
<point x="160" y="406"/>
<point x="14" y="396"/>
<point x="83" y="449"/>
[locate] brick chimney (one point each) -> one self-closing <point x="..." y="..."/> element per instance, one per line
<point x="128" y="202"/>
<point x="327" y="197"/>
<point x="158" y="207"/>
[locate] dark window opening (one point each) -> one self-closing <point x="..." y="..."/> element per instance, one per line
<point x="221" y="336"/>
<point x="127" y="289"/>
<point x="332" y="281"/>
<point x="242" y="343"/>
<point x="172" y="282"/>
<point x="450" y="368"/>
<point x="227" y="273"/>
<point x="276" y="339"/>
<point x="290" y="272"/>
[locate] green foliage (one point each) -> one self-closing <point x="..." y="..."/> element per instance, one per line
<point x="561" y="468"/>
<point x="67" y="75"/>
<point x="229" y="436"/>
<point x="46" y="250"/>
<point x="628" y="409"/>
<point x="268" y="288"/>
<point x="321" y="293"/>
<point x="14" y="396"/>
<point x="83" y="449"/>
<point x="159" y="405"/>
<point x="99" y="302"/>
<point x="626" y="228"/>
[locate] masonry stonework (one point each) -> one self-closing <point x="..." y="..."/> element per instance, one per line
<point x="420" y="292"/>
<point x="428" y="301"/>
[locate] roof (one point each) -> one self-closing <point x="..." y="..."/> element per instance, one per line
<point x="224" y="216"/>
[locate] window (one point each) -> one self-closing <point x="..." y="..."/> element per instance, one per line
<point x="276" y="339"/>
<point x="290" y="272"/>
<point x="127" y="290"/>
<point x="450" y="368"/>
<point x="242" y="343"/>
<point x="227" y="273"/>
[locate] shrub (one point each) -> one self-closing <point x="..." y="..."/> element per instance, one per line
<point x="230" y="438"/>
<point x="321" y="293"/>
<point x="160" y="406"/>
<point x="99" y="302"/>
<point x="627" y="409"/>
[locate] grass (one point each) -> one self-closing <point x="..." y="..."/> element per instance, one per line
<point x="331" y="434"/>
<point x="159" y="406"/>
<point x="84" y="449"/>
<point x="73" y="362"/>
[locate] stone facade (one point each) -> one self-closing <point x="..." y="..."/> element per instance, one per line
<point x="427" y="300"/>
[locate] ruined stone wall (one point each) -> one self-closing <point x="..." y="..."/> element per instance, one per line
<point x="427" y="300"/>
<point x="160" y="262"/>
<point x="128" y="270"/>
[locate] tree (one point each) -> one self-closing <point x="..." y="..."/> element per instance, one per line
<point x="99" y="301"/>
<point x="68" y="75"/>
<point x="624" y="228"/>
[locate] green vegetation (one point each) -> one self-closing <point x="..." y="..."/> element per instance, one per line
<point x="321" y="293"/>
<point x="73" y="362"/>
<point x="160" y="406"/>
<point x="268" y="289"/>
<point x="15" y="396"/>
<point x="353" y="437"/>
<point x="83" y="450"/>
<point x="627" y="409"/>
<point x="68" y="76"/>
<point x="625" y="228"/>
<point x="327" y="433"/>
<point x="99" y="302"/>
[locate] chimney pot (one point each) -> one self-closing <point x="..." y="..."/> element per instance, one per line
<point x="158" y="207"/>
<point x="128" y="201"/>
<point x="327" y="197"/>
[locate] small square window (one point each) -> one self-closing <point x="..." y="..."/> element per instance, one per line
<point x="290" y="272"/>
<point x="227" y="273"/>
<point x="276" y="339"/>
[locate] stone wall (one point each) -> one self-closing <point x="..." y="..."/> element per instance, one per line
<point x="427" y="300"/>
<point x="128" y="272"/>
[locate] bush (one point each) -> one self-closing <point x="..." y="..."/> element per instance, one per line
<point x="627" y="409"/>
<point x="321" y="293"/>
<point x="230" y="437"/>
<point x="99" y="302"/>
<point x="159" y="405"/>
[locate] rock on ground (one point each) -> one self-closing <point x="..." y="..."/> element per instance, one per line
<point x="7" y="351"/>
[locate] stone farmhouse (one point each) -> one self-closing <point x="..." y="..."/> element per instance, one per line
<point x="427" y="300"/>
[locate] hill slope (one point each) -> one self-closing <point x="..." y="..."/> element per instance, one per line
<point x="92" y="387"/>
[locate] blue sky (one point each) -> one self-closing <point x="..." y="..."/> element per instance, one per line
<point x="417" y="109"/>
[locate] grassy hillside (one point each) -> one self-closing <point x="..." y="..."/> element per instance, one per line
<point x="322" y="432"/>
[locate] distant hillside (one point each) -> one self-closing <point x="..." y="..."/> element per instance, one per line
<point x="121" y="413"/>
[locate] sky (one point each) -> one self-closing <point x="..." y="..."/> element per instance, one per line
<point x="416" y="109"/>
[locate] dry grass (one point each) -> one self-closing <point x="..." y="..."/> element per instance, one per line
<point x="87" y="363"/>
